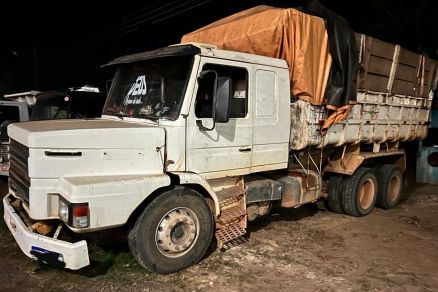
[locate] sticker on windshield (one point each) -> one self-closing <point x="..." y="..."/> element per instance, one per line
<point x="137" y="90"/>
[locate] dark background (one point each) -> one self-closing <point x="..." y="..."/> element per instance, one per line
<point x="55" y="45"/>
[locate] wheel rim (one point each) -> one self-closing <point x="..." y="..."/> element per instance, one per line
<point x="177" y="232"/>
<point x="367" y="193"/>
<point x="394" y="187"/>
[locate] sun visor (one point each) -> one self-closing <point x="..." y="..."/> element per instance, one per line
<point x="171" y="51"/>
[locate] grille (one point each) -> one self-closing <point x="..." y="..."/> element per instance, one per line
<point x="19" y="180"/>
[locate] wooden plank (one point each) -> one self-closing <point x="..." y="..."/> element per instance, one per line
<point x="420" y="76"/>
<point x="404" y="87"/>
<point x="375" y="83"/>
<point x="406" y="73"/>
<point x="379" y="66"/>
<point x="366" y="58"/>
<point x="409" y="58"/>
<point x="382" y="49"/>
<point x="429" y="75"/>
<point x="434" y="82"/>
<point x="376" y="68"/>
<point x="429" y="70"/>
<point x="433" y="68"/>
<point x="393" y="71"/>
<point x="429" y="64"/>
<point x="357" y="36"/>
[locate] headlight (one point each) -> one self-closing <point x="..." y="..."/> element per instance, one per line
<point x="63" y="210"/>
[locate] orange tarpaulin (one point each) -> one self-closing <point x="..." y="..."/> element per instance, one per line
<point x="289" y="34"/>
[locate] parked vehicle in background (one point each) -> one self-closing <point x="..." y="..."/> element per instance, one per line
<point x="13" y="108"/>
<point x="196" y="140"/>
<point x="74" y="103"/>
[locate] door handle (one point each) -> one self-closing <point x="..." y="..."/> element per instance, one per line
<point x="245" y="149"/>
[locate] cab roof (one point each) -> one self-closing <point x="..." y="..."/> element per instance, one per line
<point x="199" y="49"/>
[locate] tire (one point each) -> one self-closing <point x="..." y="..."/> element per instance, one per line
<point x="360" y="192"/>
<point x="389" y="185"/>
<point x="173" y="232"/>
<point x="333" y="201"/>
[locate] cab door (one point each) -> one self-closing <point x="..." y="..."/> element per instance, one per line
<point x="271" y="119"/>
<point x="226" y="150"/>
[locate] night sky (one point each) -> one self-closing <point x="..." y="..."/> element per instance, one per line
<point x="47" y="46"/>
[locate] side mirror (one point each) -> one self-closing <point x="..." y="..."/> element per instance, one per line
<point x="222" y="104"/>
<point x="221" y="100"/>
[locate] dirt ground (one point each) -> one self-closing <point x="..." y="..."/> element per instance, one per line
<point x="304" y="249"/>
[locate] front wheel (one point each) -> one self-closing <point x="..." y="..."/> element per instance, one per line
<point x="173" y="232"/>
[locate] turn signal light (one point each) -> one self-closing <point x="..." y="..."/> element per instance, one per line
<point x="80" y="218"/>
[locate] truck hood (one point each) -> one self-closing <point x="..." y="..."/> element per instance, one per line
<point x="91" y="134"/>
<point x="102" y="147"/>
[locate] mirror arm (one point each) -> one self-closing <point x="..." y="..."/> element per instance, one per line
<point x="205" y="129"/>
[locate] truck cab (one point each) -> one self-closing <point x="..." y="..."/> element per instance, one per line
<point x="177" y="94"/>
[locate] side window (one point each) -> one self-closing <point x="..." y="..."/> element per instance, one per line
<point x="239" y="95"/>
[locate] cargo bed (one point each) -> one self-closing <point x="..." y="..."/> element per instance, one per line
<point x="395" y="91"/>
<point x="375" y="118"/>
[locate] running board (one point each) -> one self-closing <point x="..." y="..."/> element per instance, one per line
<point x="231" y="222"/>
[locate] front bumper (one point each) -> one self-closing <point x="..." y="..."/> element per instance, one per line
<point x="38" y="247"/>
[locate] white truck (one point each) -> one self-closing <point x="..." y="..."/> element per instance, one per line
<point x="193" y="143"/>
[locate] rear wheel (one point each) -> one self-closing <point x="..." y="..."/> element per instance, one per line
<point x="334" y="199"/>
<point x="173" y="232"/>
<point x="359" y="192"/>
<point x="389" y="185"/>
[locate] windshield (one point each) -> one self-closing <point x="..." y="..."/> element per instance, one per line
<point x="151" y="89"/>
